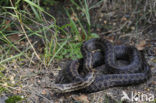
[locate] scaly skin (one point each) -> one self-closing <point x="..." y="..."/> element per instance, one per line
<point x="101" y="56"/>
<point x="102" y="82"/>
<point x="110" y="54"/>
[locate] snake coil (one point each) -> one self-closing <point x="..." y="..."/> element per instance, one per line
<point x="103" y="65"/>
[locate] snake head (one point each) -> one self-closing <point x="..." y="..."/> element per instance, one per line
<point x="69" y="87"/>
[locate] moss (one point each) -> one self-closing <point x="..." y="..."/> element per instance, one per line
<point x="13" y="99"/>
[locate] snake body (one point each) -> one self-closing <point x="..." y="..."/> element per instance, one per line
<point x="102" y="81"/>
<point x="98" y="69"/>
<point x="111" y="54"/>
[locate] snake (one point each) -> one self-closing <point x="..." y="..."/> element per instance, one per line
<point x="111" y="54"/>
<point x="98" y="69"/>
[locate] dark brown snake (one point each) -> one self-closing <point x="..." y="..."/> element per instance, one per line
<point x="103" y="65"/>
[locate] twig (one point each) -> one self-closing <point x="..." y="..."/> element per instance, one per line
<point x="116" y="30"/>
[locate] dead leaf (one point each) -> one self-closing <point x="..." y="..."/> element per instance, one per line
<point x="132" y="28"/>
<point x="141" y="45"/>
<point x="81" y="98"/>
<point x="114" y="24"/>
<point x="109" y="38"/>
<point x="110" y="14"/>
<point x="44" y="91"/>
<point x="18" y="90"/>
<point x="14" y="38"/>
<point x="154" y="82"/>
<point x="6" y="24"/>
<point x="123" y="19"/>
<point x="105" y="22"/>
<point x="73" y="17"/>
<point x="154" y="60"/>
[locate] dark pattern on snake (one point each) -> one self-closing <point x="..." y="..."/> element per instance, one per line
<point x="102" y="81"/>
<point x="71" y="77"/>
<point x="111" y="54"/>
<point x="102" y="56"/>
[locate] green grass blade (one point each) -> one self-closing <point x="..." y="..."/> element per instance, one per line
<point x="13" y="57"/>
<point x="87" y="12"/>
<point x="33" y="4"/>
<point x="58" y="51"/>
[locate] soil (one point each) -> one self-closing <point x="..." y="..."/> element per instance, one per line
<point x="113" y="25"/>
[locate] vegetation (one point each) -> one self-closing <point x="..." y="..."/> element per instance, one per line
<point x="13" y="99"/>
<point x="29" y="32"/>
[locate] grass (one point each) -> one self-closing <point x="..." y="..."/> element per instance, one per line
<point x="13" y="99"/>
<point x="28" y="19"/>
<point x="20" y="22"/>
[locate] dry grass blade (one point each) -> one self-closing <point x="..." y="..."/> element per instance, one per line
<point x="20" y="21"/>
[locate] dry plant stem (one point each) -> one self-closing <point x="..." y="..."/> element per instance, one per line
<point x="25" y="33"/>
<point x="53" y="37"/>
<point x="29" y="89"/>
<point x="116" y="30"/>
<point x="39" y="23"/>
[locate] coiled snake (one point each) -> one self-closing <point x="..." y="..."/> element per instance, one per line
<point x="103" y="65"/>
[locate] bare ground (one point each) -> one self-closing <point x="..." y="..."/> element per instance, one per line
<point x="35" y="79"/>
